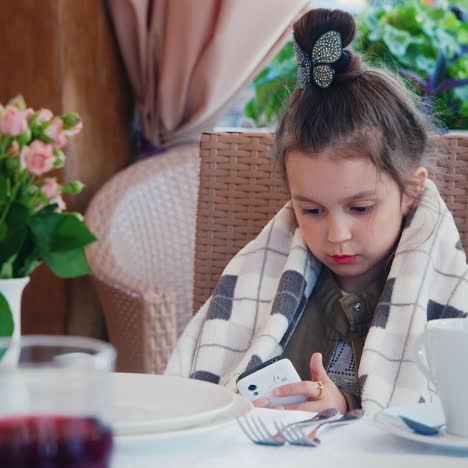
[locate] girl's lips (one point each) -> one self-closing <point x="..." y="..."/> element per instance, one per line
<point x="344" y="259"/>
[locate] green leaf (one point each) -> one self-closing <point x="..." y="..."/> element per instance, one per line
<point x="27" y="259"/>
<point x="462" y="94"/>
<point x="423" y="58"/>
<point x="251" y="110"/>
<point x="437" y="14"/>
<point x="60" y="238"/>
<point x="12" y="165"/>
<point x="6" y="318"/>
<point x="464" y="108"/>
<point x="71" y="233"/>
<point x="5" y="143"/>
<point x="16" y="223"/>
<point x="461" y="3"/>
<point x="3" y="187"/>
<point x="260" y="76"/>
<point x="396" y="40"/>
<point x="462" y="33"/>
<point x="3" y="232"/>
<point x="42" y="225"/>
<point x="447" y="43"/>
<point x="25" y="137"/>
<point x="7" y="270"/>
<point x="27" y="267"/>
<point x="451" y="23"/>
<point x="59" y="231"/>
<point x="459" y="68"/>
<point x="405" y="17"/>
<point x="68" y="264"/>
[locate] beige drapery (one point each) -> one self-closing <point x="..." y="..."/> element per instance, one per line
<point x="186" y="59"/>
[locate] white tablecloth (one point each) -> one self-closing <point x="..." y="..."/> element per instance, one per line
<point x="361" y="445"/>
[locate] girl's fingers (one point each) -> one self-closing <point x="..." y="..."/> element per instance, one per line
<point x="307" y="388"/>
<point x="311" y="406"/>
<point x="261" y="403"/>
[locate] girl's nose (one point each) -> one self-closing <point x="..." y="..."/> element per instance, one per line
<point x="338" y="232"/>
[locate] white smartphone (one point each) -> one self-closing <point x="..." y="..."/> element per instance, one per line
<point x="260" y="381"/>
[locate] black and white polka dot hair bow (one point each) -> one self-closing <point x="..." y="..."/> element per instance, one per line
<point x="317" y="66"/>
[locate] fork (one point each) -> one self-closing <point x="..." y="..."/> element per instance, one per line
<point x="257" y="431"/>
<point x="297" y="435"/>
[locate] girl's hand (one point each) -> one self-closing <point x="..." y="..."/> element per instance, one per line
<point x="321" y="392"/>
<point x="262" y="403"/>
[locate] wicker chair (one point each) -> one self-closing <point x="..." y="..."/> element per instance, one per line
<point x="142" y="264"/>
<point x="241" y="189"/>
<point x="144" y="218"/>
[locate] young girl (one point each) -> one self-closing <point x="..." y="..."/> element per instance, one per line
<point x="346" y="275"/>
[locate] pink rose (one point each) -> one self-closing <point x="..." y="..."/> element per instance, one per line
<point x="28" y="113"/>
<point x="50" y="187"/>
<point x="56" y="133"/>
<point x="59" y="201"/>
<point x="13" y="121"/>
<point x="37" y="158"/>
<point x="44" y="115"/>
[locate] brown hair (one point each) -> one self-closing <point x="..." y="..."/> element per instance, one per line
<point x="364" y="107"/>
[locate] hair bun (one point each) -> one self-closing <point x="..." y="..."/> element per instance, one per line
<point x="318" y="21"/>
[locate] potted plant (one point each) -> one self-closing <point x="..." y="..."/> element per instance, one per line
<point x="34" y="226"/>
<point x="426" y="44"/>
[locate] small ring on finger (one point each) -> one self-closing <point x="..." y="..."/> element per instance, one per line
<point x="320" y="389"/>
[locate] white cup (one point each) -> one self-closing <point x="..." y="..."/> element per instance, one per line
<point x="442" y="356"/>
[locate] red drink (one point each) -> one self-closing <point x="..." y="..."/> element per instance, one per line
<point x="54" y="442"/>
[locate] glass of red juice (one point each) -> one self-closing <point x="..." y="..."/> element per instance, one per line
<point x="55" y="402"/>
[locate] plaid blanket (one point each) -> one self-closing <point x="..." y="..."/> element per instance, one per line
<point x="262" y="292"/>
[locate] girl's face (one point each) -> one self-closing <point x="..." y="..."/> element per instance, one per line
<point x="349" y="215"/>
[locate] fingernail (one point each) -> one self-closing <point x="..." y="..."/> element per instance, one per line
<point x="276" y="392"/>
<point x="264" y="402"/>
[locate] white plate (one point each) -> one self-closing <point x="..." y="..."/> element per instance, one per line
<point x="427" y="413"/>
<point x="240" y="408"/>
<point x="147" y="403"/>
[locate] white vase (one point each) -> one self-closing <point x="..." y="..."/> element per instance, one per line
<point x="12" y="290"/>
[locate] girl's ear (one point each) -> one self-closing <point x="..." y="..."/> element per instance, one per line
<point x="414" y="188"/>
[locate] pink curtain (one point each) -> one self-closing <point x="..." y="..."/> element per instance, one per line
<point x="187" y="59"/>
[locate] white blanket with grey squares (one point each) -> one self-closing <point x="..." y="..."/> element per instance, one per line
<point x="262" y="292"/>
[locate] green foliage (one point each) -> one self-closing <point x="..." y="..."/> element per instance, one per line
<point x="7" y="324"/>
<point x="6" y="319"/>
<point x="33" y="226"/>
<point x="428" y="45"/>
<point x="272" y="87"/>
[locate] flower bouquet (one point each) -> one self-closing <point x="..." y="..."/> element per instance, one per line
<point x="34" y="226"/>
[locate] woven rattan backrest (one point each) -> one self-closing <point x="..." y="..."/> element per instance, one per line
<point x="241" y="189"/>
<point x="451" y="177"/>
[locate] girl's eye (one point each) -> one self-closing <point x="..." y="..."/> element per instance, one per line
<point x="362" y="209"/>
<point x="312" y="211"/>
